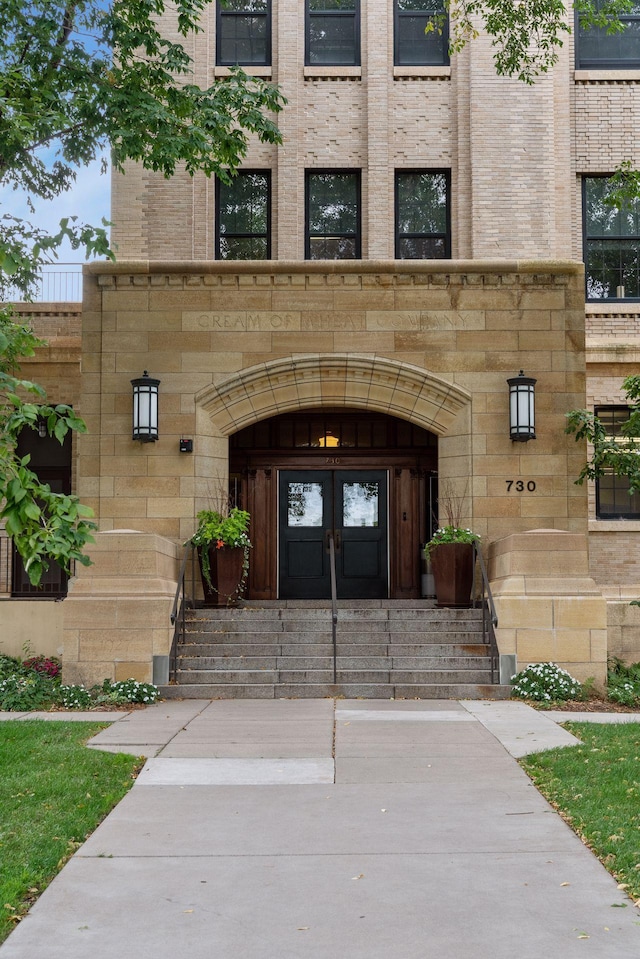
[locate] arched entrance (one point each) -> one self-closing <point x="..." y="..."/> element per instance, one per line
<point x="366" y="477"/>
<point x="355" y="387"/>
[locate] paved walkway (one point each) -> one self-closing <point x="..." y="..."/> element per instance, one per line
<point x="323" y="829"/>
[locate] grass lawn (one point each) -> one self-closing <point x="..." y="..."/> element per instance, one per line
<point x="596" y="787"/>
<point x="53" y="793"/>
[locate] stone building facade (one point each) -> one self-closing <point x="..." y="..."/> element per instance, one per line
<point x="447" y="210"/>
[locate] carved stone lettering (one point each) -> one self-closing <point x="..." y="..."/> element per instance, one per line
<point x="263" y="320"/>
<point x="393" y="320"/>
<point x="217" y="321"/>
<point x="452" y="320"/>
<point x="332" y="321"/>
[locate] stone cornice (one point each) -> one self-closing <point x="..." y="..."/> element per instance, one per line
<point x="389" y="268"/>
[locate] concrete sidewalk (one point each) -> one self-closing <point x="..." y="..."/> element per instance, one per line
<point x="309" y="829"/>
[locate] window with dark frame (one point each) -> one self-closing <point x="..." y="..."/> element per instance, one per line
<point x="611" y="244"/>
<point x="411" y="45"/>
<point x="332" y="215"/>
<point x="613" y="500"/>
<point x="597" y="49"/>
<point x="422" y="214"/>
<point x="243" y="33"/>
<point x="243" y="216"/>
<point x="332" y="33"/>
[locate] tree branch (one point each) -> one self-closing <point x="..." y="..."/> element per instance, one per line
<point x="65" y="32"/>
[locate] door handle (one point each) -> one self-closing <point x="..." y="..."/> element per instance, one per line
<point x="328" y="533"/>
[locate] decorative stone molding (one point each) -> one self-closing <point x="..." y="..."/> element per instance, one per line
<point x="347" y="379"/>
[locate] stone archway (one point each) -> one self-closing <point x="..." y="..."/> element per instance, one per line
<point x="336" y="379"/>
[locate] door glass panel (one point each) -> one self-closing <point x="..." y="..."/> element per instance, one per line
<point x="304" y="504"/>
<point x="360" y="504"/>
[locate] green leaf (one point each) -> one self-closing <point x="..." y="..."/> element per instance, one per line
<point x="32" y="511"/>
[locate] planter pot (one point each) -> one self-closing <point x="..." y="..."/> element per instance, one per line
<point x="452" y="565"/>
<point x="225" y="566"/>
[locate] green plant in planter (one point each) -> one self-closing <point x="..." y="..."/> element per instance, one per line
<point x="231" y="530"/>
<point x="451" y="534"/>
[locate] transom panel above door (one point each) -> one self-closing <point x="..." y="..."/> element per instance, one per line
<point x="352" y="506"/>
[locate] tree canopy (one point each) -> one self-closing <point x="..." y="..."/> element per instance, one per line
<point x="608" y="453"/>
<point x="527" y="34"/>
<point x="45" y="526"/>
<point x="78" y="77"/>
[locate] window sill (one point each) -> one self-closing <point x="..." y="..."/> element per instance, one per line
<point x="620" y="76"/>
<point x="335" y="72"/>
<point x="422" y="72"/>
<point x="614" y="525"/>
<point x="607" y="307"/>
<point x="251" y="71"/>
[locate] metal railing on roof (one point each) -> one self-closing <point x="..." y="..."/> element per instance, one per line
<point x="58" y="283"/>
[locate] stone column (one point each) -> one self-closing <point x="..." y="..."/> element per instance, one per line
<point x="548" y="607"/>
<point x="117" y="614"/>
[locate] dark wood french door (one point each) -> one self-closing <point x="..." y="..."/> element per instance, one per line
<point x="351" y="504"/>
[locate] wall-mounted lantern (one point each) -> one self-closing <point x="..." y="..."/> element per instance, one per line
<point x="522" y="411"/>
<point x="145" y="408"/>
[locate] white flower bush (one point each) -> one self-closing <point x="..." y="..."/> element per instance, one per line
<point x="134" y="692"/>
<point x="75" y="697"/>
<point x="545" y="682"/>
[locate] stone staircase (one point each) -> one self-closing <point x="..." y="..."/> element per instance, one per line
<point x="385" y="650"/>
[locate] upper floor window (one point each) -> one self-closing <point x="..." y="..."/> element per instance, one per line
<point x="243" y="217"/>
<point x="332" y="35"/>
<point x="613" y="500"/>
<point x="595" y="48"/>
<point x="414" y="47"/>
<point x="423" y="222"/>
<point x="611" y="244"/>
<point x="243" y="32"/>
<point x="332" y="215"/>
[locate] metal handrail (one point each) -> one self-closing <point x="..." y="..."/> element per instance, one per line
<point x="489" y="615"/>
<point x="334" y="601"/>
<point x="178" y="612"/>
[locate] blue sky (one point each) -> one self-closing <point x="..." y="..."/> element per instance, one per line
<point x="89" y="200"/>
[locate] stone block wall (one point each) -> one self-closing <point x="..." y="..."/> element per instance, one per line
<point x="548" y="607"/>
<point x="200" y="327"/>
<point x="117" y="613"/>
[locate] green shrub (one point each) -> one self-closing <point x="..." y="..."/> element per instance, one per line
<point x="22" y="693"/>
<point x="9" y="666"/>
<point x="623" y="682"/>
<point x="35" y="684"/>
<point x="545" y="682"/>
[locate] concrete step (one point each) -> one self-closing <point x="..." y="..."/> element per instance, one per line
<point x="345" y="616"/>
<point x="436" y="650"/>
<point x="246" y="676"/>
<point x="192" y="650"/>
<point x="264" y="637"/>
<point x="343" y="690"/>
<point x="326" y="662"/>
<point x="365" y="637"/>
<point x="384" y="650"/>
